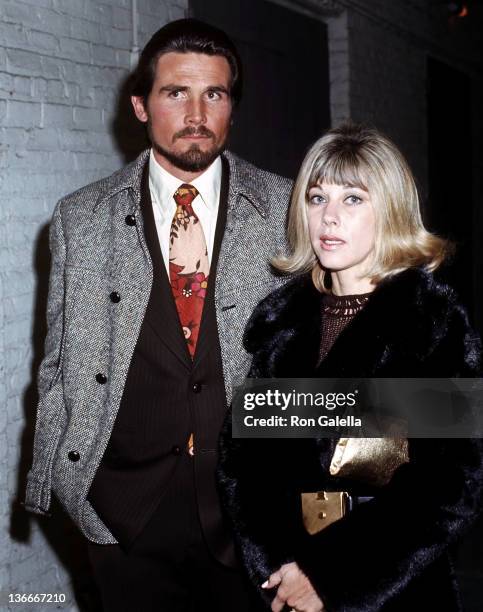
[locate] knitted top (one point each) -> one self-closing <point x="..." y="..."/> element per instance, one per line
<point x="337" y="312"/>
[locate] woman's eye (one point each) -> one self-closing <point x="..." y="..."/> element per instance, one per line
<point x="353" y="199"/>
<point x="316" y="199"/>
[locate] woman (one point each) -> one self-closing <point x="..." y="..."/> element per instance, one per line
<point x="367" y="304"/>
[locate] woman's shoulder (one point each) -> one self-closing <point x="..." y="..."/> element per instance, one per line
<point x="422" y="309"/>
<point x="419" y="293"/>
<point x="284" y="308"/>
<point x="419" y="283"/>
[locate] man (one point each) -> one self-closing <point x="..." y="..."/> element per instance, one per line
<point x="155" y="271"/>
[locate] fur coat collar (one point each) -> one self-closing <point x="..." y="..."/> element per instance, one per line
<point x="412" y="326"/>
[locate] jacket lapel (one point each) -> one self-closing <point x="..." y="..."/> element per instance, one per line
<point x="208" y="331"/>
<point x="245" y="206"/>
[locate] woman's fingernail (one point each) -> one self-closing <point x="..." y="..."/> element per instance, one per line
<point x="265" y="584"/>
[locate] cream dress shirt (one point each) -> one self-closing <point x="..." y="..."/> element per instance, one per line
<point x="163" y="185"/>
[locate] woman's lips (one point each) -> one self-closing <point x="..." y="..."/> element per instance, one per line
<point x="331" y="243"/>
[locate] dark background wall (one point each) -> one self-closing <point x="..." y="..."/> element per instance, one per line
<point x="286" y="72"/>
<point x="416" y="71"/>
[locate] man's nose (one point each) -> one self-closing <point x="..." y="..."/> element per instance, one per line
<point x="195" y="112"/>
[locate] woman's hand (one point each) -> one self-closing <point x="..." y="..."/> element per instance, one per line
<point x="294" y="589"/>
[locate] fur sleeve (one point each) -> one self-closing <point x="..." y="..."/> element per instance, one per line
<point x="457" y="347"/>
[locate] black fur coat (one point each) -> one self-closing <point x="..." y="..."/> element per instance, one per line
<point x="390" y="553"/>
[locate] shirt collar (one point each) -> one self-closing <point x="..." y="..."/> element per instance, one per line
<point x="163" y="184"/>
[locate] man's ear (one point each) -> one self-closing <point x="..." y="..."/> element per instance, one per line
<point x="139" y="109"/>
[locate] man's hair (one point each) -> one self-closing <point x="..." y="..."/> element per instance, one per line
<point x="186" y="36"/>
<point x="360" y="156"/>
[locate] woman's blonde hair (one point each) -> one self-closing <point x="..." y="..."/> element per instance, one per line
<point x="360" y="156"/>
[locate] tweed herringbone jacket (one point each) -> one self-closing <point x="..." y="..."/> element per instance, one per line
<point x="98" y="247"/>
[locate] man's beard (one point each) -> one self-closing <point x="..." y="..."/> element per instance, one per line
<point x="194" y="159"/>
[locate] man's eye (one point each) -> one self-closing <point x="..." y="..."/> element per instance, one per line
<point x="213" y="95"/>
<point x="175" y="93"/>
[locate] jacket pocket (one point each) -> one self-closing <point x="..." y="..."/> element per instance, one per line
<point x="72" y="279"/>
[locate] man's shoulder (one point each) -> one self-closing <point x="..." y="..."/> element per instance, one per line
<point x="255" y="179"/>
<point x="90" y="195"/>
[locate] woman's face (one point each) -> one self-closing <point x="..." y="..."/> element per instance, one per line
<point x="342" y="228"/>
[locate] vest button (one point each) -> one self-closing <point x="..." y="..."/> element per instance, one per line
<point x="101" y="378"/>
<point x="196" y="387"/>
<point x="176" y="450"/>
<point x="130" y="220"/>
<point x="73" y="456"/>
<point x="115" y="297"/>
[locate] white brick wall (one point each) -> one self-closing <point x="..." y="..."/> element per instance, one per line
<point x="62" y="63"/>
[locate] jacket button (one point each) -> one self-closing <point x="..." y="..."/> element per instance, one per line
<point x="130" y="220"/>
<point x="101" y="378"/>
<point x="176" y="450"/>
<point x="73" y="456"/>
<point x="196" y="387"/>
<point x="115" y="297"/>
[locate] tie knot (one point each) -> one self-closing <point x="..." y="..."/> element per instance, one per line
<point x="185" y="194"/>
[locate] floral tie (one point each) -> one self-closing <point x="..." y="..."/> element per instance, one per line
<point x="188" y="264"/>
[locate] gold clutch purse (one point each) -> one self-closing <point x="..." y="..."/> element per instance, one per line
<point x="372" y="461"/>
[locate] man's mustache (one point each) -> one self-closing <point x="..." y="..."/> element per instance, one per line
<point x="191" y="131"/>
